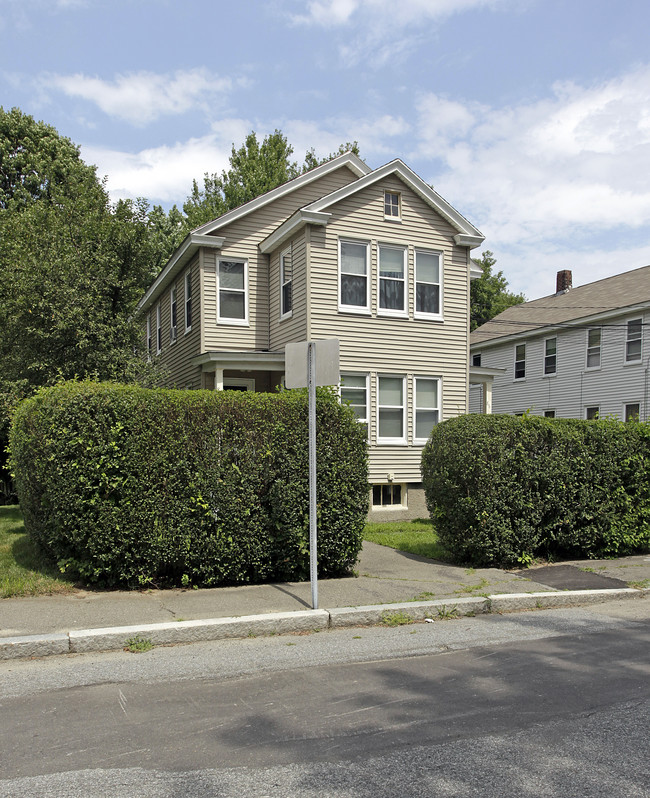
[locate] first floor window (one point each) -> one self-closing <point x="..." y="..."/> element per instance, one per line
<point x="232" y="291"/>
<point x="520" y="361"/>
<point x="354" y="275"/>
<point x="354" y="392"/>
<point x="593" y="348"/>
<point x="550" y="356"/>
<point x="632" y="411"/>
<point x="427" y="406"/>
<point x="427" y="283"/>
<point x="158" y="330"/>
<point x="476" y="360"/>
<point x="549" y="414"/>
<point x="592" y="413"/>
<point x="188" y="301"/>
<point x="286" y="280"/>
<point x="391" y="409"/>
<point x="633" y="342"/>
<point x="392" y="279"/>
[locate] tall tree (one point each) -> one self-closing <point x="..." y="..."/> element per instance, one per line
<point x="488" y="294"/>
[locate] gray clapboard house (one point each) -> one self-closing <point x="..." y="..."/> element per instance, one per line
<point x="581" y="352"/>
<point x="375" y="258"/>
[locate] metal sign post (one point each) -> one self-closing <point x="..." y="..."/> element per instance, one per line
<point x="297" y="356"/>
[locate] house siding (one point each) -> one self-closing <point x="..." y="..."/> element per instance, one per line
<point x="574" y="387"/>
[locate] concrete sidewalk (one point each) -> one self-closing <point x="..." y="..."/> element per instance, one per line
<point x="388" y="581"/>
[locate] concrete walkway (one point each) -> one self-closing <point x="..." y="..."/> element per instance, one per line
<point x="388" y="581"/>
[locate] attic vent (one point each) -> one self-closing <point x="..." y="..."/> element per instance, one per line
<point x="564" y="281"/>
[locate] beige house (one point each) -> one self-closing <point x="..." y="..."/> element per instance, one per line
<point x="375" y="258"/>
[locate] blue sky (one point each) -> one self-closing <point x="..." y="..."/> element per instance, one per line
<point x="532" y="117"/>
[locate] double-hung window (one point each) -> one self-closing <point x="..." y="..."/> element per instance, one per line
<point x="286" y="281"/>
<point x="427" y="406"/>
<point x="392" y="280"/>
<point x="354" y="392"/>
<point x="633" y="341"/>
<point x="149" y="341"/>
<point x="550" y="356"/>
<point x="158" y="330"/>
<point x="232" y="301"/>
<point x="391" y="410"/>
<point x="427" y="284"/>
<point x="632" y="411"/>
<point x="172" y="314"/>
<point x="593" y="348"/>
<point x="392" y="205"/>
<point x="520" y="361"/>
<point x="188" y="301"/>
<point x="354" y="278"/>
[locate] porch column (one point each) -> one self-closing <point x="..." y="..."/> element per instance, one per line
<point x="218" y="380"/>
<point x="487" y="398"/>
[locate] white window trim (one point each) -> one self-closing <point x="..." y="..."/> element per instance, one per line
<point x="289" y="313"/>
<point x="544" y="356"/>
<point x="438" y="380"/>
<point x="639" y="359"/>
<point x="419" y="314"/>
<point x="393" y="441"/>
<point x="403" y="313"/>
<point x="366" y="377"/>
<point x="226" y="320"/>
<point x="389" y="217"/>
<point x="158" y="330"/>
<point x="515" y="361"/>
<point x="173" y="310"/>
<point x="600" y="350"/>
<point x="188" y="296"/>
<point x="364" y="309"/>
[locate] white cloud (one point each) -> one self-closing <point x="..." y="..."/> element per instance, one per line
<point x="142" y="97"/>
<point x="560" y="174"/>
<point x="382" y="30"/>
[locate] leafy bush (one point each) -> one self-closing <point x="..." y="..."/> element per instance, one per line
<point x="503" y="489"/>
<point x="129" y="486"/>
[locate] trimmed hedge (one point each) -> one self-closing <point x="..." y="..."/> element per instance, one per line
<point x="129" y="486"/>
<point x="504" y="489"/>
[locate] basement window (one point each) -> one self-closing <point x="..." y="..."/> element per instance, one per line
<point x="391" y="495"/>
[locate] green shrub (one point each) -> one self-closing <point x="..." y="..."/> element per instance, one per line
<point x="128" y="486"/>
<point x="503" y="489"/>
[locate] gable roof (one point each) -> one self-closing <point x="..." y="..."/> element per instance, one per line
<point x="625" y="292"/>
<point x="316" y="212"/>
<point x="349" y="159"/>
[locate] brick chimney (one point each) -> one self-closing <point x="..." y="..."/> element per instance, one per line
<point x="564" y="281"/>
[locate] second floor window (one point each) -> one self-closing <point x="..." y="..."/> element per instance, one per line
<point x="188" y="301"/>
<point x="550" y="356"/>
<point x="392" y="279"/>
<point x="286" y="281"/>
<point x="149" y="342"/>
<point x="633" y="342"/>
<point x="353" y="259"/>
<point x="593" y="348"/>
<point x="172" y="314"/>
<point x="427" y="283"/>
<point x="232" y="293"/>
<point x="158" y="330"/>
<point x="520" y="361"/>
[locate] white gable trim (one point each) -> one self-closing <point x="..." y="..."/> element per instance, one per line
<point x="470" y="235"/>
<point x="348" y="159"/>
<point x="183" y="254"/>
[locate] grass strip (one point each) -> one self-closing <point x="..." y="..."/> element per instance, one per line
<point x="415" y="537"/>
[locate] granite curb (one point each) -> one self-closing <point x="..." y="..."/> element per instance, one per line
<point x="304" y="621"/>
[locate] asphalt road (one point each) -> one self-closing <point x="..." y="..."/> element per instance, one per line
<point x="553" y="703"/>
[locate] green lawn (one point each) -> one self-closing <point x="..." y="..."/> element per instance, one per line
<point x="22" y="570"/>
<point x="416" y="537"/>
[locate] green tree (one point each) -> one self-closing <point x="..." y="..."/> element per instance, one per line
<point x="488" y="294"/>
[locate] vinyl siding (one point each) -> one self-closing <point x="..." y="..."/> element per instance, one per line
<point x="293" y="328"/>
<point x="379" y="345"/>
<point x="241" y="241"/>
<point x="175" y="358"/>
<point x="574" y="387"/>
